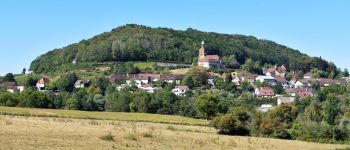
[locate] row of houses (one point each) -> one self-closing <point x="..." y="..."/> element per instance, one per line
<point x="143" y="81"/>
<point x="41" y="85"/>
<point x="12" y="87"/>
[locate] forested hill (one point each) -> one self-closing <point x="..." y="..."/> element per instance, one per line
<point x="141" y="43"/>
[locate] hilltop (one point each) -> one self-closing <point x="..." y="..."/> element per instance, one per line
<point x="140" y="43"/>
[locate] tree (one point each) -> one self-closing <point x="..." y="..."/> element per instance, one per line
<point x="314" y="111"/>
<point x="72" y="104"/>
<point x="165" y="101"/>
<point x="140" y="101"/>
<point x="196" y="75"/>
<point x="187" y="80"/>
<point x="102" y="83"/>
<point x="346" y="73"/>
<point x="9" y="77"/>
<point x="119" y="101"/>
<point x="30" y="82"/>
<point x="207" y="105"/>
<point x="278" y="89"/>
<point x="24" y="71"/>
<point x="277" y="122"/>
<point x="248" y="66"/>
<point x="236" y="122"/>
<point x="331" y="109"/>
<point x="231" y="62"/>
<point x="66" y="83"/>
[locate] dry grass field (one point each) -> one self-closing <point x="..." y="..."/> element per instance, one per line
<point x="25" y="132"/>
<point x="120" y="116"/>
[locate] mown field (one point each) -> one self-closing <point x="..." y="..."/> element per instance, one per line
<point x="24" y="132"/>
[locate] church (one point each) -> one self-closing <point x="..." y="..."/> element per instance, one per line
<point x="208" y="61"/>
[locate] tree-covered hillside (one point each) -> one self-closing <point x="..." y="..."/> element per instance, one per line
<point x="141" y="43"/>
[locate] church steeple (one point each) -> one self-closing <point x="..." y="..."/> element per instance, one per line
<point x="202" y="51"/>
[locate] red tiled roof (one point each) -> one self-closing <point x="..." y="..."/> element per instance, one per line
<point x="209" y="58"/>
<point x="266" y="91"/>
<point x="182" y="87"/>
<point x="8" y="85"/>
<point x="304" y="93"/>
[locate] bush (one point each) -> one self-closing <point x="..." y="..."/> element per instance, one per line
<point x="237" y="122"/>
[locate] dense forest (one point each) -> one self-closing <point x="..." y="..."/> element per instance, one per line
<point x="141" y="43"/>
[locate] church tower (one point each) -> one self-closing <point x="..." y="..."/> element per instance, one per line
<point x="202" y="51"/>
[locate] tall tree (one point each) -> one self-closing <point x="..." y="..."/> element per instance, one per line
<point x="9" y="77"/>
<point x="346" y="73"/>
<point x="207" y="105"/>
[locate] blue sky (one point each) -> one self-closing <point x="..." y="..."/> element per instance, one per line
<point x="31" y="28"/>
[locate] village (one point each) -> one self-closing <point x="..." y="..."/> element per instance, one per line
<point x="261" y="85"/>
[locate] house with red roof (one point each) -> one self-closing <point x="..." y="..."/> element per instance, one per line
<point x="305" y="93"/>
<point x="180" y="90"/>
<point x="149" y="88"/>
<point x="264" y="92"/>
<point x="208" y="61"/>
<point x="42" y="84"/>
<point x="275" y="71"/>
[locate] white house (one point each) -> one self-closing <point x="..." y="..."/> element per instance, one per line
<point x="285" y="100"/>
<point x="149" y="88"/>
<point x="302" y="83"/>
<point x="170" y="78"/>
<point x="20" y="88"/>
<point x="180" y="90"/>
<point x="267" y="79"/>
<point x="208" y="61"/>
<point x="265" y="108"/>
<point x="9" y="86"/>
<point x="283" y="82"/>
<point x="42" y="83"/>
<point x="239" y="78"/>
<point x="307" y="75"/>
<point x="122" y="86"/>
<point x="81" y="83"/>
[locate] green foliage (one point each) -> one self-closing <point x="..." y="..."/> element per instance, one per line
<point x="66" y="83"/>
<point x="9" y="77"/>
<point x="140" y="43"/>
<point x="196" y="77"/>
<point x="346" y="73"/>
<point x="207" y="105"/>
<point x="277" y="122"/>
<point x="236" y="122"/>
<point x="119" y="101"/>
<point x="278" y="89"/>
<point x="163" y="102"/>
<point x="231" y="62"/>
<point x="140" y="101"/>
<point x="331" y="109"/>
<point x="102" y="83"/>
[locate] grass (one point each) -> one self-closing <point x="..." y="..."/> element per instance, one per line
<point x="121" y="116"/>
<point x="180" y="71"/>
<point x="29" y="133"/>
<point x="144" y="65"/>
